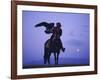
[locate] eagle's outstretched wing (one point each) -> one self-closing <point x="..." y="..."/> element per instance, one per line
<point x="48" y="26"/>
<point x="45" y="24"/>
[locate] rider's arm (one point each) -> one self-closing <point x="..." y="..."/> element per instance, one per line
<point x="60" y="32"/>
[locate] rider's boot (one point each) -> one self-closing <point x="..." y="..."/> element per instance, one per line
<point x="63" y="49"/>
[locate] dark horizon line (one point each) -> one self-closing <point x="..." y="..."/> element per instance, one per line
<point x="53" y="65"/>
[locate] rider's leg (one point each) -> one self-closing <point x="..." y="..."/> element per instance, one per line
<point x="63" y="49"/>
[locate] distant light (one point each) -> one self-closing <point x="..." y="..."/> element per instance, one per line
<point x="78" y="50"/>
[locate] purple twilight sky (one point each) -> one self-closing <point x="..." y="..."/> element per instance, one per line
<point x="75" y="37"/>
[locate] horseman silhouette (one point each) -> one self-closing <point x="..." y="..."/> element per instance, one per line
<point x="54" y="44"/>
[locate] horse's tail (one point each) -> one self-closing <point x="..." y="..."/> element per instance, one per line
<point x="46" y="51"/>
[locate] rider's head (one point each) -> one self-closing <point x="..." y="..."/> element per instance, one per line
<point x="58" y="24"/>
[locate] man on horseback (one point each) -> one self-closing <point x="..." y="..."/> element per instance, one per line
<point x="57" y="33"/>
<point x="54" y="44"/>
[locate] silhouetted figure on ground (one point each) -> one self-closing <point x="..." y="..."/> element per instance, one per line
<point x="54" y="44"/>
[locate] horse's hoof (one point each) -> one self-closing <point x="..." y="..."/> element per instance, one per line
<point x="49" y="63"/>
<point x="56" y="63"/>
<point x="44" y="62"/>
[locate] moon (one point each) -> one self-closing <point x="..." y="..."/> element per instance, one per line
<point x="78" y="50"/>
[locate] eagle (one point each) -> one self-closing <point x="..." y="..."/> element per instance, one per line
<point x="47" y="25"/>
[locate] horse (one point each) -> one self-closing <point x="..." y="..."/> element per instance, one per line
<point x="52" y="47"/>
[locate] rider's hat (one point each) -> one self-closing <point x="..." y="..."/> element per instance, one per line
<point x="58" y="24"/>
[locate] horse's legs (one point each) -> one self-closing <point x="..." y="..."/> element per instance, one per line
<point x="45" y="58"/>
<point x="45" y="55"/>
<point x="49" y="54"/>
<point x="57" y="56"/>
